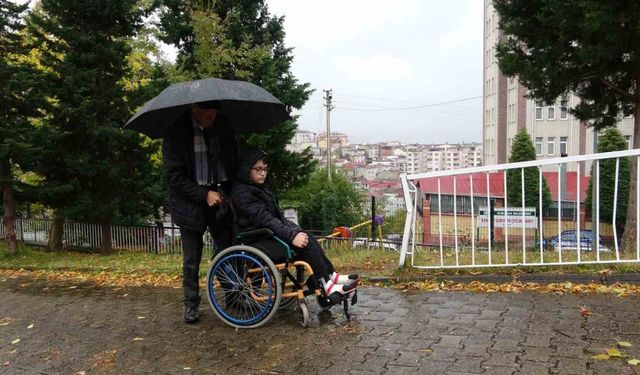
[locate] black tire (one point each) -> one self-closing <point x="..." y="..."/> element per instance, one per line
<point x="243" y="287"/>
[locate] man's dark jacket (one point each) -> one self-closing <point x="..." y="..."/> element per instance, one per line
<point x="187" y="200"/>
<point x="255" y="206"/>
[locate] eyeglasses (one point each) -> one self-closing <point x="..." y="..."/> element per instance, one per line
<point x="261" y="170"/>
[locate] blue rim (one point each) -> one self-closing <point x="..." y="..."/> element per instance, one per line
<point x="266" y="308"/>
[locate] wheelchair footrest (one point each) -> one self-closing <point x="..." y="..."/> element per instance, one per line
<point x="309" y="292"/>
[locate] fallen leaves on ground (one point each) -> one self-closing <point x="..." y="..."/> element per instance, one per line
<point x="102" y="278"/>
<point x="120" y="280"/>
<point x="354" y="328"/>
<point x="622" y="290"/>
<point x="105" y="359"/>
<point x="585" y="311"/>
<point x="6" y="321"/>
<point x="53" y="354"/>
<point x="615" y="353"/>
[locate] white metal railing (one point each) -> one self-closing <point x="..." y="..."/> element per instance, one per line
<point x="87" y="235"/>
<point x="487" y="247"/>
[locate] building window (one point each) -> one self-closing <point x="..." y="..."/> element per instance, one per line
<point x="551" y="113"/>
<point x="551" y="146"/>
<point x="627" y="138"/>
<point x="538" y="145"/>
<point x="564" y="111"/>
<point x="538" y="111"/>
<point x="563" y="145"/>
<point x="463" y="204"/>
<point x="568" y="210"/>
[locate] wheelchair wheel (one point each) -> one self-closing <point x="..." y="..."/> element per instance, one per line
<point x="243" y="287"/>
<point x="304" y="312"/>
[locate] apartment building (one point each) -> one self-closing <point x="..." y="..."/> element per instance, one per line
<point x="506" y="111"/>
<point x="302" y="140"/>
<point x="443" y="157"/>
<point x="337" y="140"/>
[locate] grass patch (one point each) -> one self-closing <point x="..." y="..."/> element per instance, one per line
<point x="364" y="261"/>
<point x="346" y="259"/>
<point x="126" y="262"/>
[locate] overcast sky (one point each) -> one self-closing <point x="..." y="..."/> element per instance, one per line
<point x="380" y="57"/>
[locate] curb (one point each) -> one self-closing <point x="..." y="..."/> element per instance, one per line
<point x="633" y="278"/>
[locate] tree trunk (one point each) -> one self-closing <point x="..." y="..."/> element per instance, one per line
<point x="105" y="243"/>
<point x="55" y="235"/>
<point x="629" y="236"/>
<point x="9" y="216"/>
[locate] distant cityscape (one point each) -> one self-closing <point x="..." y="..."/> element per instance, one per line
<point x="376" y="168"/>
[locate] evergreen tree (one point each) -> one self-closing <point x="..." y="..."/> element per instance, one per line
<point x="523" y="150"/>
<point x="586" y="47"/>
<point x="92" y="169"/>
<point x="239" y="39"/>
<point x="611" y="140"/>
<point x="19" y="99"/>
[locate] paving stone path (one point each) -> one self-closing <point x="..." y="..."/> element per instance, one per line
<point x="65" y="329"/>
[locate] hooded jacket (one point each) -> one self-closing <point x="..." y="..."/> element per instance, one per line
<point x="255" y="205"/>
<point x="187" y="200"/>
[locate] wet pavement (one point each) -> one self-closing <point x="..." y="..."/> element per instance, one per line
<point x="79" y="328"/>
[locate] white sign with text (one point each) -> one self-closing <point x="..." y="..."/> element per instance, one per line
<point x="514" y="218"/>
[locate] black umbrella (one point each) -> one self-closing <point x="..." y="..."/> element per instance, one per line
<point x="248" y="107"/>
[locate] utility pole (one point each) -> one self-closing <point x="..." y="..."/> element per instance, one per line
<point x="595" y="231"/>
<point x="327" y="97"/>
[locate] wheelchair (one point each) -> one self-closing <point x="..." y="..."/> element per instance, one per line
<point x="245" y="288"/>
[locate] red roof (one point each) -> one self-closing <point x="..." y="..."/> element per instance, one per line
<point x="496" y="185"/>
<point x="572" y="185"/>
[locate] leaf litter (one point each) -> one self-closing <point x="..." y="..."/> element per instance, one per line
<point x="620" y="289"/>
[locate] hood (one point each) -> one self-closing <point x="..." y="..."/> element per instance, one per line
<point x="247" y="158"/>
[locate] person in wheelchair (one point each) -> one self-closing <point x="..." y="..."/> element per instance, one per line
<point x="256" y="207"/>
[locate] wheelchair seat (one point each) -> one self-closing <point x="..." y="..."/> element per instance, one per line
<point x="266" y="241"/>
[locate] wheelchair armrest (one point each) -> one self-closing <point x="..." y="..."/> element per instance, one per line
<point x="255" y="235"/>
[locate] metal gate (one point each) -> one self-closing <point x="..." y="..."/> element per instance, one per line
<point x="467" y="220"/>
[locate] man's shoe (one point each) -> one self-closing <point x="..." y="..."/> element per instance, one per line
<point x="191" y="314"/>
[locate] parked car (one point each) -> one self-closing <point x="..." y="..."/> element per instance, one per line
<point x="568" y="240"/>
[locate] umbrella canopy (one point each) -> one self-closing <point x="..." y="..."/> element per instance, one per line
<point x="249" y="108"/>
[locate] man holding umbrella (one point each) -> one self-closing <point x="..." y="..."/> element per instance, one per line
<point x="198" y="152"/>
<point x="198" y="120"/>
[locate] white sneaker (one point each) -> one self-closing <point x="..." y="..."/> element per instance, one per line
<point x="343" y="279"/>
<point x="331" y="287"/>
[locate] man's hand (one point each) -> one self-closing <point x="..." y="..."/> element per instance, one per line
<point x="301" y="240"/>
<point x="213" y="198"/>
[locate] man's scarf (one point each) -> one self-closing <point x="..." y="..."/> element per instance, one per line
<point x="208" y="167"/>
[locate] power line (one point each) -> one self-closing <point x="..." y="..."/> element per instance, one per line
<point x="370" y="98"/>
<point x="409" y="108"/>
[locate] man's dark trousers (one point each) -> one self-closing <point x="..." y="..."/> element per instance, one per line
<point x="192" y="244"/>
